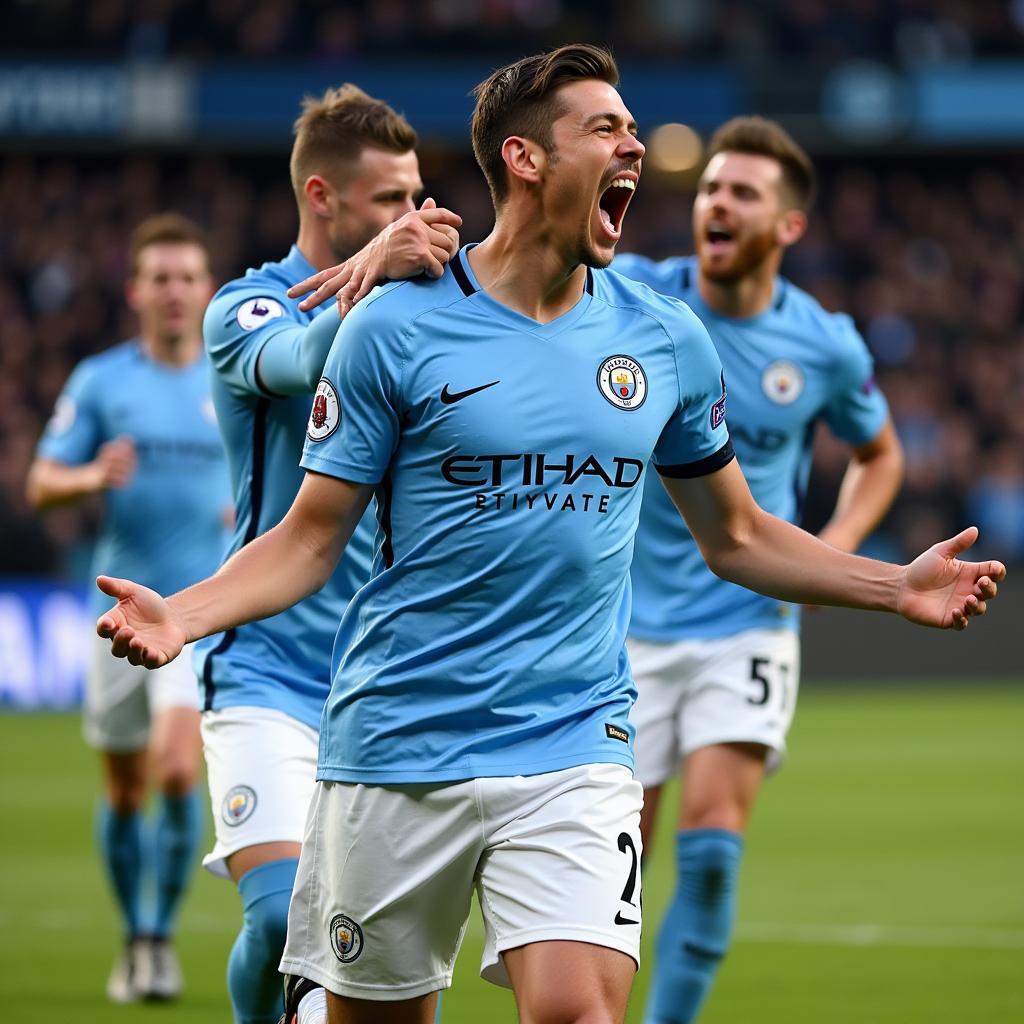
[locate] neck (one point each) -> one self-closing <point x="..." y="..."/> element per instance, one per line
<point x="175" y="350"/>
<point x="314" y="244"/>
<point x="744" y="297"/>
<point x="524" y="268"/>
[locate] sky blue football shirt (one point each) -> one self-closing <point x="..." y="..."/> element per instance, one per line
<point x="166" y="528"/>
<point x="786" y="369"/>
<point x="282" y="662"/>
<point x="509" y="459"/>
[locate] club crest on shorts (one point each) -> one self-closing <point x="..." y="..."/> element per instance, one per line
<point x="783" y="382"/>
<point x="255" y="312"/>
<point x="325" y="415"/>
<point x="238" y="805"/>
<point x="346" y="938"/>
<point x="622" y="381"/>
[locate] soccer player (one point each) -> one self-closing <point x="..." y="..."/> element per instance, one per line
<point x="717" y="666"/>
<point x="135" y="424"/>
<point x="477" y="732"/>
<point x="355" y="174"/>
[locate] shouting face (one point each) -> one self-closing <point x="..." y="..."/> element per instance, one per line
<point x="740" y="216"/>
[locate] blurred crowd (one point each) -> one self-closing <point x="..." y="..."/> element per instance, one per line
<point x="928" y="257"/>
<point x="817" y="32"/>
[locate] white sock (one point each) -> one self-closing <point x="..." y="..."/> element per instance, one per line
<point x="313" y="1008"/>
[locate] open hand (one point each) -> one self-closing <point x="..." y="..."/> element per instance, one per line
<point x="142" y="626"/>
<point x="940" y="590"/>
<point x="419" y="242"/>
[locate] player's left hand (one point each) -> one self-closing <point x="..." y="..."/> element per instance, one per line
<point x="938" y="589"/>
<point x="419" y="242"/>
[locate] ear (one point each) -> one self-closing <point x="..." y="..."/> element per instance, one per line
<point x="318" y="193"/>
<point x="524" y="159"/>
<point x="131" y="294"/>
<point x="791" y="227"/>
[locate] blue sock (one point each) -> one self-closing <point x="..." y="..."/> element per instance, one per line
<point x="177" y="834"/>
<point x="119" y="837"/>
<point x="694" y="934"/>
<point x="254" y="984"/>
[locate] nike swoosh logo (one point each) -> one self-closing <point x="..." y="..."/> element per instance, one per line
<point x="619" y="919"/>
<point x="451" y="397"/>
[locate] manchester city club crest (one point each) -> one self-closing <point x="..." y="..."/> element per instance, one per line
<point x="783" y="382"/>
<point x="346" y="938"/>
<point x="622" y="381"/>
<point x="325" y="415"/>
<point x="238" y="805"/>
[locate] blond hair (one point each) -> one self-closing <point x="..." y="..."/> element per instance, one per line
<point x="335" y="128"/>
<point x="166" y="227"/>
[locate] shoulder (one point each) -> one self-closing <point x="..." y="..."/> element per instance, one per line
<point x="622" y="292"/>
<point x="400" y="307"/>
<point x="802" y="310"/>
<point x="247" y="291"/>
<point x="671" y="276"/>
<point x="98" y="369"/>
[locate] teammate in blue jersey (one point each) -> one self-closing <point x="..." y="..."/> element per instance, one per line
<point x="136" y="425"/>
<point x="717" y="666"/>
<point x="354" y="172"/>
<point x="477" y="731"/>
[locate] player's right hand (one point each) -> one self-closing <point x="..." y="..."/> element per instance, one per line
<point x="116" y="463"/>
<point x="419" y="242"/>
<point x="142" y="626"/>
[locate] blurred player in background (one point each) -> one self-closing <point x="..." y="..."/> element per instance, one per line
<point x="477" y="731"/>
<point x="136" y="424"/>
<point x="717" y="666"/>
<point x="355" y="173"/>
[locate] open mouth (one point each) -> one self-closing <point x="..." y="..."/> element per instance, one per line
<point x="718" y="236"/>
<point x="613" y="202"/>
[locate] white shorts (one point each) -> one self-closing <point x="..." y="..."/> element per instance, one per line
<point x="696" y="693"/>
<point x="261" y="769"/>
<point x="384" y="884"/>
<point x="121" y="699"/>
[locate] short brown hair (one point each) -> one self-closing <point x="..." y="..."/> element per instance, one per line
<point x="518" y="99"/>
<point x="338" y="126"/>
<point x="761" y="137"/>
<point x="166" y="227"/>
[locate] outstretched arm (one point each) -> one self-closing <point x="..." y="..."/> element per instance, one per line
<point x="273" y="572"/>
<point x="870" y="484"/>
<point x="743" y="543"/>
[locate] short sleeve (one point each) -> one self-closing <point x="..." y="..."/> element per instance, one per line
<point x="236" y="326"/>
<point x="75" y="430"/>
<point x="856" y="410"/>
<point x="355" y="419"/>
<point x="695" y="441"/>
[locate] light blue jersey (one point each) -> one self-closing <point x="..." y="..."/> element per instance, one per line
<point x="787" y="368"/>
<point x="282" y="662"/>
<point x="508" y="458"/>
<point x="166" y="528"/>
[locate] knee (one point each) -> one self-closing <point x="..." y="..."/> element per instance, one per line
<point x="176" y="769"/>
<point x="175" y="777"/>
<point x="266" y="921"/>
<point x="729" y="815"/>
<point x="558" y="1012"/>
<point x="126" y="796"/>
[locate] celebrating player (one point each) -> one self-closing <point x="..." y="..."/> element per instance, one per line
<point x="355" y="176"/>
<point x="477" y="732"/>
<point x="717" y="666"/>
<point x="135" y="424"/>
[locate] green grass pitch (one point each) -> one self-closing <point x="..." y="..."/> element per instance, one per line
<point x="883" y="880"/>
